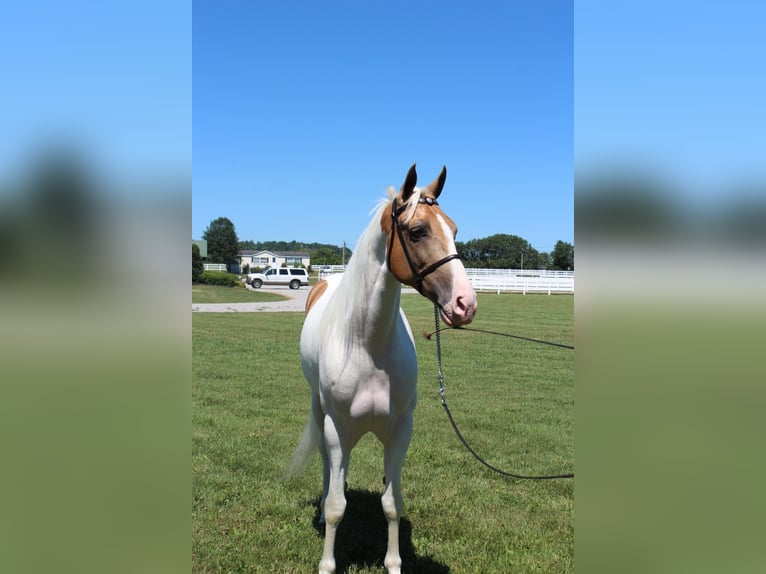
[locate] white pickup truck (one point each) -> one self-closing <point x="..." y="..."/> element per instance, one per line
<point x="294" y="277"/>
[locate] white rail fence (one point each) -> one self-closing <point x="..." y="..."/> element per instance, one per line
<point x="521" y="281"/>
<point x="505" y="280"/>
<point x="215" y="267"/>
<point x="325" y="270"/>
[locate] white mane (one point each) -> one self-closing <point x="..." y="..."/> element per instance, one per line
<point x="366" y="265"/>
<point x="413" y="201"/>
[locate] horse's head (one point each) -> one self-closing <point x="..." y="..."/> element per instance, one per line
<point x="421" y="249"/>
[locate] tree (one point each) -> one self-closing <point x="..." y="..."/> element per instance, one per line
<point x="544" y="260"/>
<point x="222" y="242"/>
<point x="562" y="256"/>
<point x="500" y="251"/>
<point x="326" y="256"/>
<point x="197" y="266"/>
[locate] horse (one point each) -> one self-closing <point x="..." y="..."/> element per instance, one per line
<point x="358" y="353"/>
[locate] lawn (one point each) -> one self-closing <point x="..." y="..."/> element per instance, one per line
<point x="514" y="401"/>
<point x="217" y="294"/>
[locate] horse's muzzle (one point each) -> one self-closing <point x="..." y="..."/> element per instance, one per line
<point x="460" y="310"/>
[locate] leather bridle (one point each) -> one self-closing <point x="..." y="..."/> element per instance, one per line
<point x="419" y="275"/>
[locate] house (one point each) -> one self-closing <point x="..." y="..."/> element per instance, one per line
<point x="265" y="259"/>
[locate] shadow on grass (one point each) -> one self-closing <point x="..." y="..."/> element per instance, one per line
<point x="362" y="537"/>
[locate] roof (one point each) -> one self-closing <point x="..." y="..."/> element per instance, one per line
<point x="246" y="252"/>
<point x="292" y="253"/>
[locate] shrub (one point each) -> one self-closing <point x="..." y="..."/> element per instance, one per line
<point x="197" y="265"/>
<point x="219" y="278"/>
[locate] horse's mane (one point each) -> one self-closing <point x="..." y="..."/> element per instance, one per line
<point x="366" y="264"/>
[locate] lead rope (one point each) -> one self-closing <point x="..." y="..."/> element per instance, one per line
<point x="442" y="394"/>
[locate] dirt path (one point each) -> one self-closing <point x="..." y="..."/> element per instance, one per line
<point x="296" y="302"/>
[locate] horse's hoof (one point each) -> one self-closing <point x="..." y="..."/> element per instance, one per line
<point x="327" y="566"/>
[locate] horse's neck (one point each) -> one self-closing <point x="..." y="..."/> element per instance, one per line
<point x="372" y="291"/>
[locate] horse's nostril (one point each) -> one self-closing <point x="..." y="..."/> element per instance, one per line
<point x="459" y="309"/>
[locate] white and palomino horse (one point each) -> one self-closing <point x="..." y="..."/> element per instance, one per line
<point x="357" y="350"/>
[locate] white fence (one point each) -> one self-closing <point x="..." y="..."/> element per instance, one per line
<point x="504" y="280"/>
<point x="325" y="270"/>
<point x="215" y="267"/>
<point x="521" y="280"/>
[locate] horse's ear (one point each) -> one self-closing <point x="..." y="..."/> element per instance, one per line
<point x="435" y="187"/>
<point x="409" y="184"/>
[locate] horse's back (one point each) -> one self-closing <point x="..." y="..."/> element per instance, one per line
<point x="318" y="297"/>
<point x="316" y="293"/>
<point x="311" y="337"/>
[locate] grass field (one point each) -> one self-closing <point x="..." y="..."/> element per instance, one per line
<point x="514" y="401"/>
<point x="217" y="294"/>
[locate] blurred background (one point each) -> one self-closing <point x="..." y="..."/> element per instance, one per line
<point x="95" y="205"/>
<point x="670" y="231"/>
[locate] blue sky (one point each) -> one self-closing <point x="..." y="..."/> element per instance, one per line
<point x="675" y="88"/>
<point x="311" y="111"/>
<point x="304" y="113"/>
<point x="111" y="80"/>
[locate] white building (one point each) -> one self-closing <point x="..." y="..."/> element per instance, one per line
<point x="265" y="259"/>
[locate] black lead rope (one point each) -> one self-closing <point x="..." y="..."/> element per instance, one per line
<point x="442" y="394"/>
<point x="440" y="329"/>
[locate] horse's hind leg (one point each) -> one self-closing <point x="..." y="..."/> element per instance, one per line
<point x="395" y="451"/>
<point x="319" y="420"/>
<point x="334" y="503"/>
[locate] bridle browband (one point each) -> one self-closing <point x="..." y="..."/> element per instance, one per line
<point x="419" y="275"/>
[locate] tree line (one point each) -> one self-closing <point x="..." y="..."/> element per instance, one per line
<point x="499" y="251"/>
<point x="503" y="251"/>
<point x="223" y="246"/>
<point x="321" y="253"/>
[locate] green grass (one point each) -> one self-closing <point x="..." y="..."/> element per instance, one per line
<point x="217" y="294"/>
<point x="513" y="400"/>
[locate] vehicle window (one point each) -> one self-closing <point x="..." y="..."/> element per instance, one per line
<point x="271" y="272"/>
<point x="296" y="271"/>
<point x="283" y="271"/>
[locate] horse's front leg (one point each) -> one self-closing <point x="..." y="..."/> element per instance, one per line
<point x="334" y="504"/>
<point x="395" y="451"/>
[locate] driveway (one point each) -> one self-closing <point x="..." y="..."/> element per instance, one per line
<point x="296" y="301"/>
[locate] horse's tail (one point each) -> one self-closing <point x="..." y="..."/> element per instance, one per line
<point x="306" y="449"/>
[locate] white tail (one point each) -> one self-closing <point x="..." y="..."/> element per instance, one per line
<point x="306" y="449"/>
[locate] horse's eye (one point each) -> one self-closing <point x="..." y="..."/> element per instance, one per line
<point x="417" y="233"/>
